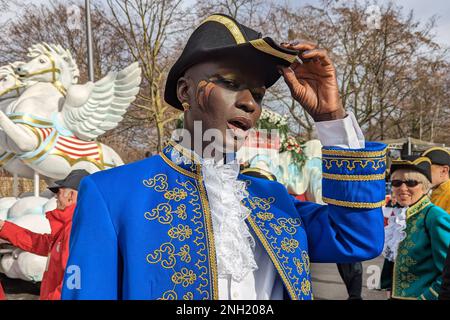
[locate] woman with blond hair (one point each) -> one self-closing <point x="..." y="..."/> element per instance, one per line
<point x="418" y="236"/>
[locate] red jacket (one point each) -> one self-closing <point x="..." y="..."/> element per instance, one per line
<point x="2" y="294"/>
<point x="54" y="245"/>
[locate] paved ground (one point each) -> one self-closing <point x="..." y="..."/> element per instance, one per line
<point x="327" y="284"/>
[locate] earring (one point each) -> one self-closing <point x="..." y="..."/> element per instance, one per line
<point x="186" y="106"/>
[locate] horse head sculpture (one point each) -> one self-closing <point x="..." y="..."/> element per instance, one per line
<point x="54" y="123"/>
<point x="11" y="85"/>
<point x="50" y="63"/>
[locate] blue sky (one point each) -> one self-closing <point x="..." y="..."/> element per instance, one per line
<point x="423" y="10"/>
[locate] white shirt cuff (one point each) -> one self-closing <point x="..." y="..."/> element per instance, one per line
<point x="343" y="133"/>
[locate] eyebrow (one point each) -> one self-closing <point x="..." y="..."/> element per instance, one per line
<point x="233" y="76"/>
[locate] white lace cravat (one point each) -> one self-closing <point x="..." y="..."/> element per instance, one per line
<point x="394" y="232"/>
<point x="233" y="240"/>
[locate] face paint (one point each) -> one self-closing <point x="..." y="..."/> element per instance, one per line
<point x="204" y="90"/>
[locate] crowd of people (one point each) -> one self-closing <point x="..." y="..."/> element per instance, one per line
<point x="184" y="224"/>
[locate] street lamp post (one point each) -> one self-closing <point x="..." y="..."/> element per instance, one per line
<point x="90" y="53"/>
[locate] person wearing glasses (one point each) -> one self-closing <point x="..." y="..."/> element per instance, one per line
<point x="419" y="235"/>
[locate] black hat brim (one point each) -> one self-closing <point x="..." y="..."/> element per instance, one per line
<point x="54" y="189"/>
<point x="260" y="61"/>
<point x="438" y="156"/>
<point x="423" y="168"/>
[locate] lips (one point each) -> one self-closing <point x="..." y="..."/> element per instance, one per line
<point x="242" y="123"/>
<point x="240" y="126"/>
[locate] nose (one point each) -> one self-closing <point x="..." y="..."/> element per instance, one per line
<point x="246" y="102"/>
<point x="403" y="187"/>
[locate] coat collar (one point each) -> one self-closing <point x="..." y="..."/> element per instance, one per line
<point x="60" y="218"/>
<point x="418" y="206"/>
<point x="186" y="161"/>
<point x="442" y="187"/>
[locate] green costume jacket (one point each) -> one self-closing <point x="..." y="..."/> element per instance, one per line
<point x="421" y="255"/>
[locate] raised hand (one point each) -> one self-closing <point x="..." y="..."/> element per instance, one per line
<point x="312" y="82"/>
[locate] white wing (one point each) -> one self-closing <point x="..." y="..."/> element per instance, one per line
<point x="102" y="103"/>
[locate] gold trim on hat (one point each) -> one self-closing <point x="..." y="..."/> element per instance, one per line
<point x="263" y="46"/>
<point x="415" y="162"/>
<point x="229" y="24"/>
<point x="434" y="149"/>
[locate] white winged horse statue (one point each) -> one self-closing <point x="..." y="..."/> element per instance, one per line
<point x="11" y="87"/>
<point x="53" y="125"/>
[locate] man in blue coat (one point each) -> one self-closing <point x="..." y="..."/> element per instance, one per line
<point x="185" y="224"/>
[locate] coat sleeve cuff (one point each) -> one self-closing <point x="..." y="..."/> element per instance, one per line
<point x="354" y="178"/>
<point x="429" y="294"/>
<point x="344" y="133"/>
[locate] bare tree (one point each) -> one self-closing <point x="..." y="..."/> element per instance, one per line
<point x="376" y="64"/>
<point x="250" y="11"/>
<point x="149" y="29"/>
<point x="52" y="23"/>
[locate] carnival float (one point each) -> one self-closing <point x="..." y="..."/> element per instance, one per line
<point x="49" y="124"/>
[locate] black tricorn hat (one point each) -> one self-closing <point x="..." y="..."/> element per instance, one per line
<point x="220" y="34"/>
<point x="439" y="156"/>
<point x="72" y="181"/>
<point x="419" y="164"/>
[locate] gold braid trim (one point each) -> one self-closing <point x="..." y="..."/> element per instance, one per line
<point x="214" y="274"/>
<point x="266" y="174"/>
<point x="29" y="119"/>
<point x="434" y="149"/>
<point x="433" y="292"/>
<point x="403" y="298"/>
<point x="349" y="204"/>
<point x="359" y="154"/>
<point x="230" y="25"/>
<point x="273" y="257"/>
<point x="6" y="158"/>
<point x="263" y="46"/>
<point x="177" y="168"/>
<point x="345" y="177"/>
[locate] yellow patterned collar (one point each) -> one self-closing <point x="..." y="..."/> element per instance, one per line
<point x="186" y="161"/>
<point x="418" y="206"/>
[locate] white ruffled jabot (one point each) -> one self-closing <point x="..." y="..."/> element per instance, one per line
<point x="233" y="240"/>
<point x="394" y="232"/>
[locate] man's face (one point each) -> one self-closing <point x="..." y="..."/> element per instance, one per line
<point x="65" y="197"/>
<point x="439" y="174"/>
<point x="223" y="95"/>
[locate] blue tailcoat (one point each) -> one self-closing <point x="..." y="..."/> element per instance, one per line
<point x="144" y="230"/>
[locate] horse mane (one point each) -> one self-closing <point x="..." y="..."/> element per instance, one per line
<point x="44" y="48"/>
<point x="7" y="69"/>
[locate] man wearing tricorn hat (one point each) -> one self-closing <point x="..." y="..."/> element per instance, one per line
<point x="185" y="224"/>
<point x="440" y="171"/>
<point x="56" y="244"/>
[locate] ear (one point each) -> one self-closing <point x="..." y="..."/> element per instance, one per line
<point x="446" y="169"/>
<point x="183" y="90"/>
<point x="71" y="195"/>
